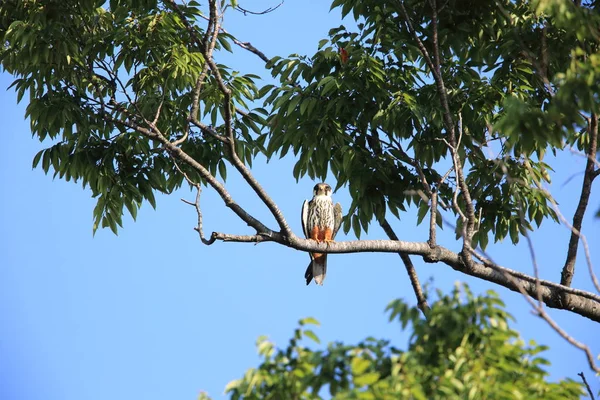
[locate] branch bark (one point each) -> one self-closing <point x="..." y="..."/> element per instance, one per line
<point x="410" y="270"/>
<point x="569" y="269"/>
<point x="589" y="389"/>
<point x="228" y="118"/>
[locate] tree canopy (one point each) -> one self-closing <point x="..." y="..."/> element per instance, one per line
<point x="464" y="350"/>
<point x="449" y="106"/>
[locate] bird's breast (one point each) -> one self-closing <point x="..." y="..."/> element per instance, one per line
<point x="321" y="213"/>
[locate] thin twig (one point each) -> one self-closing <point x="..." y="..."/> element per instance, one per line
<point x="536" y="272"/>
<point x="268" y="10"/>
<point x="196" y="204"/>
<point x="589" y="389"/>
<point x="410" y="270"/>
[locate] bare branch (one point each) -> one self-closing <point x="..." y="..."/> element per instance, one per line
<point x="588" y="354"/>
<point x="589" y="389"/>
<point x="268" y="10"/>
<point x="589" y="175"/>
<point x="432" y="219"/>
<point x="552" y="294"/>
<point x="225" y="237"/>
<point x="227" y="104"/>
<point x="248" y="46"/>
<point x="196" y="205"/>
<point x="410" y="270"/>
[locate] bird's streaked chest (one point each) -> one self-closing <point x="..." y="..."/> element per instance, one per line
<point x="320" y="212"/>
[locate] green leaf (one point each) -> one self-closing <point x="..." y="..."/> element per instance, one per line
<point x="359" y="365"/>
<point x="366" y="379"/>
<point x="222" y="170"/>
<point x="309" y="333"/>
<point x="232" y="385"/>
<point x="309" y="321"/>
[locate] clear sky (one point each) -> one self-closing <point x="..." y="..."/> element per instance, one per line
<point x="154" y="314"/>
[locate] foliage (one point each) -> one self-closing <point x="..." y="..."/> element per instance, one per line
<point x="374" y="117"/>
<point x="85" y="67"/>
<point x="465" y="350"/>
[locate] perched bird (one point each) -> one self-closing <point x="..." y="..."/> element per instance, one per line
<point x="321" y="221"/>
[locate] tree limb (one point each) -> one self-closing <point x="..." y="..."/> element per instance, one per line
<point x="552" y="294"/>
<point x="569" y="269"/>
<point x="410" y="270"/>
<point x="227" y="104"/>
<point x="589" y="389"/>
<point x="539" y="310"/>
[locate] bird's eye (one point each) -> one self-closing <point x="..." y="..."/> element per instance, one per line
<point x="316" y="188"/>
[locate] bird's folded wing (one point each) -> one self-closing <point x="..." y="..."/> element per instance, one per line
<point x="337" y="219"/>
<point x="304" y="218"/>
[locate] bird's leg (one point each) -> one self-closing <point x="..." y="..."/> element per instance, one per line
<point x="314" y="235"/>
<point x="328" y="236"/>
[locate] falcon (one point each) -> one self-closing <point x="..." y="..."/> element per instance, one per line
<point x="321" y="221"/>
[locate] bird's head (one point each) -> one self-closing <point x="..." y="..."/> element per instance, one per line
<point x="322" y="189"/>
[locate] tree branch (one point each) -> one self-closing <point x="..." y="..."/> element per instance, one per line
<point x="589" y="389"/>
<point x="244" y="45"/>
<point x="179" y="154"/>
<point x="227" y="104"/>
<point x="435" y="67"/>
<point x="539" y="310"/>
<point x="196" y="205"/>
<point x="410" y="270"/>
<point x="268" y="10"/>
<point x="552" y="294"/>
<point x="569" y="269"/>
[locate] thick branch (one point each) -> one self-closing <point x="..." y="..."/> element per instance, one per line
<point x="410" y="270"/>
<point x="227" y="105"/>
<point x="552" y="294"/>
<point x="589" y="175"/>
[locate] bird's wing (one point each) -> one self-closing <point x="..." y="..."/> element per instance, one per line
<point x="304" y="218"/>
<point x="337" y="219"/>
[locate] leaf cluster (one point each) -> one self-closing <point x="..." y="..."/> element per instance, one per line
<point x="374" y="118"/>
<point x="95" y="72"/>
<point x="464" y="350"/>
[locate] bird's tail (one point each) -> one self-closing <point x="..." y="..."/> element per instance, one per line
<point x="316" y="269"/>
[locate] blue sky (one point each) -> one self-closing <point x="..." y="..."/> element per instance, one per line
<point x="155" y="314"/>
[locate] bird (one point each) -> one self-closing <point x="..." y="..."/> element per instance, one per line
<point x="321" y="221"/>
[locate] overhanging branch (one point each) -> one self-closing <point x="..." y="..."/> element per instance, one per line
<point x="579" y="301"/>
